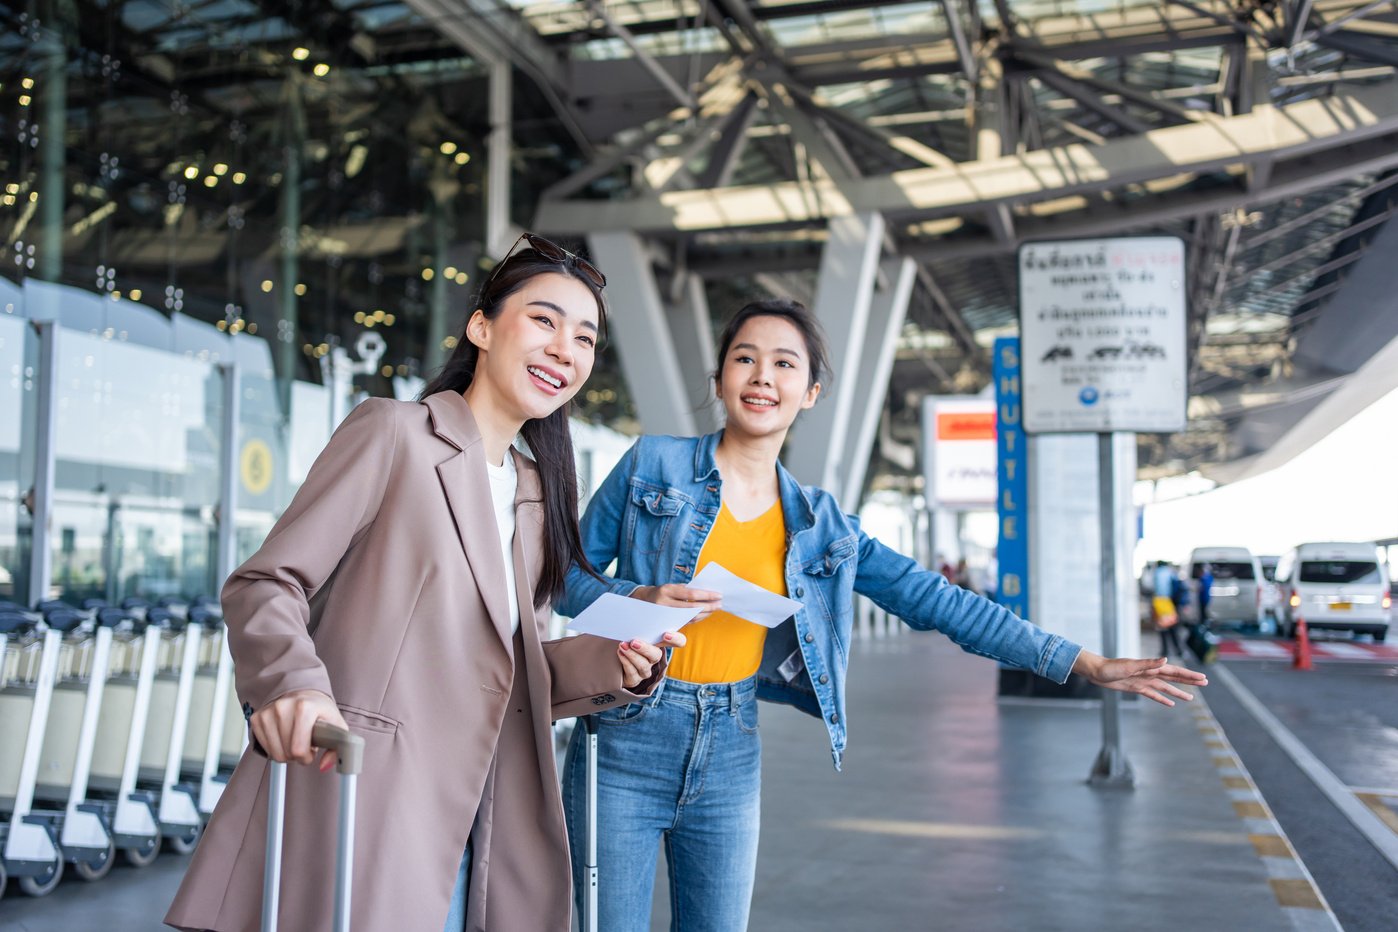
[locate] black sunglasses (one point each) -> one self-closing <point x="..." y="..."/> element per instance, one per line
<point x="554" y="253"/>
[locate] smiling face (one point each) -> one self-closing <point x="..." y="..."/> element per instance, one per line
<point x="764" y="380"/>
<point x="538" y="350"/>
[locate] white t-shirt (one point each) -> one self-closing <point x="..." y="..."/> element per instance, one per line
<point x="503" y="481"/>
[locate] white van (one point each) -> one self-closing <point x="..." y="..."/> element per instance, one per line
<point x="1235" y="595"/>
<point x="1340" y="586"/>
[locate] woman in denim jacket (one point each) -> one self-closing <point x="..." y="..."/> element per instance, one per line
<point x="684" y="764"/>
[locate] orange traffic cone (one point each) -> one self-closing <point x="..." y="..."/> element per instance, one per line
<point x="1301" y="650"/>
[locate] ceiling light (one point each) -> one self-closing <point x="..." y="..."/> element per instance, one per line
<point x="210" y="181"/>
<point x="322" y="70"/>
<point x="462" y="158"/>
<point x="300" y="53"/>
<point x="239" y="177"/>
<point x="448" y="148"/>
<point x="220" y="169"/>
<point x="192" y="172"/>
<point x="266" y="285"/>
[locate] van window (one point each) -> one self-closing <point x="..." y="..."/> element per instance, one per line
<point x="1340" y="571"/>
<point x="1225" y="571"/>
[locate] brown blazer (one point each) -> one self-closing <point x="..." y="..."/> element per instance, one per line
<point x="380" y="586"/>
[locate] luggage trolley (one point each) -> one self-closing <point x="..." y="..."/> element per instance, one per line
<point x="130" y="812"/>
<point x="163" y="748"/>
<point x="65" y="762"/>
<point x="28" y="667"/>
<point x="209" y="708"/>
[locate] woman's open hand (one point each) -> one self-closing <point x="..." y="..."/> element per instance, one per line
<point x="1153" y="678"/>
<point x="638" y="657"/>
<point x="678" y="595"/>
<point x="283" y="728"/>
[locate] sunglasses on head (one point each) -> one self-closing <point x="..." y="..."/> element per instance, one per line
<point x="554" y="253"/>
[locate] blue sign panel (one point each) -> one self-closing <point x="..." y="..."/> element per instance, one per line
<point x="1012" y="500"/>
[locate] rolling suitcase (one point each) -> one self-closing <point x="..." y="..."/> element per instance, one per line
<point x="589" y="916"/>
<point x="351" y="751"/>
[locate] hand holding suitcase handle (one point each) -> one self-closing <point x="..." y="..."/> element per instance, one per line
<point x="348" y="746"/>
<point x="284" y="726"/>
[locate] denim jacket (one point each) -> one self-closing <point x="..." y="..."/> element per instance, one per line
<point x="653" y="513"/>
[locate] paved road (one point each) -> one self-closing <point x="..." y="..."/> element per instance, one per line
<point x="1345" y="711"/>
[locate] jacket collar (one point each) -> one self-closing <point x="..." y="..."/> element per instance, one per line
<point x="452" y="419"/>
<point x="797" y="508"/>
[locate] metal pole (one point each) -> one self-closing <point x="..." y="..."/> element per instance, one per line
<point x="344" y="853"/>
<point x="46" y="417"/>
<point x="52" y="142"/>
<point x="590" y="895"/>
<point x="288" y="323"/>
<point x="272" y="866"/>
<point x="1111" y="769"/>
<point x="228" y="476"/>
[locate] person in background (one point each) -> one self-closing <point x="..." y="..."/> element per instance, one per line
<point x="1205" y="593"/>
<point x="1163" y="580"/>
<point x="683" y="768"/>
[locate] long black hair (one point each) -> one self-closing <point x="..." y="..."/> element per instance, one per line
<point x="794" y="313"/>
<point x="549" y="438"/>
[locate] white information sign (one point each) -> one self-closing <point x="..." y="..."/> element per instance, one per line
<point x="959" y="451"/>
<point x="1102" y="325"/>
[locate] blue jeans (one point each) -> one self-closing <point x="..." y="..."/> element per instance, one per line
<point x="456" y="913"/>
<point x="683" y="766"/>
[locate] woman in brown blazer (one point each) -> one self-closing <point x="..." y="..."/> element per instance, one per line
<point x="383" y="601"/>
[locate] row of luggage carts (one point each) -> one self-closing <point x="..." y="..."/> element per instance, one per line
<point x="118" y="729"/>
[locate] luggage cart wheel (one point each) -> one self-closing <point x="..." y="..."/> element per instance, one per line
<point x="96" y="870"/>
<point x="145" y="855"/>
<point x="43" y="884"/>
<point x="184" y="843"/>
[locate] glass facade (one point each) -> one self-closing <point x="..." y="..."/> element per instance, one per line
<point x="137" y="444"/>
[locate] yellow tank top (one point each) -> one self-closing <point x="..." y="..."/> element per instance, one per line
<point x="724" y="648"/>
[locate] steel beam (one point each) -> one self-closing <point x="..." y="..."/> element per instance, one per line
<point x="691" y="331"/>
<point x="888" y="309"/>
<point x="649" y="360"/>
<point x="1365" y="47"/>
<point x="724" y="156"/>
<point x="682" y="96"/>
<point x="1267" y="132"/>
<point x="844" y="292"/>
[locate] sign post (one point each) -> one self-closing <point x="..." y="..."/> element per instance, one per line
<point x="1102" y="324"/>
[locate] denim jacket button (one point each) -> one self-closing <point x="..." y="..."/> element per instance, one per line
<point x="810" y="638"/>
<point x="834" y="718"/>
<point x="800" y="592"/>
<point x="824" y="678"/>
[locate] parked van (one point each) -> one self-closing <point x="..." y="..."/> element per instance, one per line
<point x="1341" y="586"/>
<point x="1235" y="595"/>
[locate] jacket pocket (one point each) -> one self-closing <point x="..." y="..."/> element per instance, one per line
<point x="369" y="721"/>
<point x="652" y="513"/>
<point x="628" y="714"/>
<point x="829" y="562"/>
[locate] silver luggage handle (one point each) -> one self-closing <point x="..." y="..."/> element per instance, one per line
<point x="350" y="747"/>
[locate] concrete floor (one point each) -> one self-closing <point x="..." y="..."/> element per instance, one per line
<point x="954" y="812"/>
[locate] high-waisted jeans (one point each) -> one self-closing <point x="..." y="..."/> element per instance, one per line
<point x="684" y="766"/>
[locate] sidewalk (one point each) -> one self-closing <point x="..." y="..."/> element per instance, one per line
<point x="957" y="811"/>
